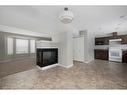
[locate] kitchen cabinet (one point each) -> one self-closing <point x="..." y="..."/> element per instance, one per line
<point x="102" y="41"/>
<point x="124" y="39"/>
<point x="105" y="40"/>
<point x="124" y="56"/>
<point x="101" y="54"/>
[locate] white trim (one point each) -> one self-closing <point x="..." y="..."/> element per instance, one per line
<point x="87" y="62"/>
<point x="65" y="65"/>
<point x="48" y="67"/>
<point x="84" y="61"/>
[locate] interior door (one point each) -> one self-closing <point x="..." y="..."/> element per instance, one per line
<point x="78" y="49"/>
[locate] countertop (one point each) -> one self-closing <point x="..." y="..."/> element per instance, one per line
<point x="108" y="49"/>
<point x="124" y="49"/>
<point x="100" y="49"/>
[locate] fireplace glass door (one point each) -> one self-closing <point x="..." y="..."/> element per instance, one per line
<point x="46" y="57"/>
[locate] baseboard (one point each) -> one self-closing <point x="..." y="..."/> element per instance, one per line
<point x="84" y="61"/>
<point x="65" y="66"/>
<point x="88" y="61"/>
<point x="47" y="67"/>
<point x="78" y="61"/>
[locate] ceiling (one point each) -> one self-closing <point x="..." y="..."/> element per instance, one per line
<point x="44" y="19"/>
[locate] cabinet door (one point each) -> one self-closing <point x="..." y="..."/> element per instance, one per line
<point x="124" y="57"/>
<point x="124" y="39"/>
<point x="106" y="41"/>
<point x="101" y="54"/>
<point x="97" y="54"/>
<point x="102" y="41"/>
<point x="99" y="41"/>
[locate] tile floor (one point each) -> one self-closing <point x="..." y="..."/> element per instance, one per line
<point x="96" y="75"/>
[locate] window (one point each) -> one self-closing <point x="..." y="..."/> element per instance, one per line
<point x="22" y="46"/>
<point x="32" y="46"/>
<point x="10" y="46"/>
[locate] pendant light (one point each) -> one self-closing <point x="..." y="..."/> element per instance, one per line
<point x="66" y="16"/>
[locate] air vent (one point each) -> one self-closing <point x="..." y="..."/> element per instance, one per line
<point x="82" y="32"/>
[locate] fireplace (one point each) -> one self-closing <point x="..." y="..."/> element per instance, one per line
<point x="47" y="56"/>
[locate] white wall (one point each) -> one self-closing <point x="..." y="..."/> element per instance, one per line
<point x="65" y="52"/>
<point x="69" y="50"/>
<point x="90" y="44"/>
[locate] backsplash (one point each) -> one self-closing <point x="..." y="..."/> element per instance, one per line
<point x="101" y="47"/>
<point x="107" y="46"/>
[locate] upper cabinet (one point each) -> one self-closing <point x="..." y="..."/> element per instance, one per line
<point x="102" y="41"/>
<point x="105" y="40"/>
<point x="124" y="39"/>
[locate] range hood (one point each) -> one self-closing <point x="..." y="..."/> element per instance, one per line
<point x="115" y="42"/>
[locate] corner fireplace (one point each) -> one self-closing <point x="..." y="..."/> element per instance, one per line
<point x="47" y="56"/>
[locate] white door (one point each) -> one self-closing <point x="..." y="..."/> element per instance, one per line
<point x="78" y="49"/>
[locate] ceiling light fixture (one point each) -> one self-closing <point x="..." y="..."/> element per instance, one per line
<point x="66" y="16"/>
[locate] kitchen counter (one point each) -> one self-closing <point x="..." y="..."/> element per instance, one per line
<point x="101" y="49"/>
<point x="108" y="49"/>
<point x="124" y="49"/>
<point x="103" y="54"/>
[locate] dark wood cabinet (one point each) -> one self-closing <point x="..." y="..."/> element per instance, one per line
<point x="124" y="56"/>
<point x="124" y="39"/>
<point x="102" y="41"/>
<point x="101" y="54"/>
<point x="105" y="40"/>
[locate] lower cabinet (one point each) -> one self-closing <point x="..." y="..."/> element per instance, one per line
<point x="124" y="56"/>
<point x="101" y="54"/>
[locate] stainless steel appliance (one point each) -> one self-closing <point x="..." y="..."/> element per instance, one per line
<point x="115" y="51"/>
<point x="115" y="54"/>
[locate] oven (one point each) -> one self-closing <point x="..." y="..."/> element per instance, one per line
<point x="115" y="54"/>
